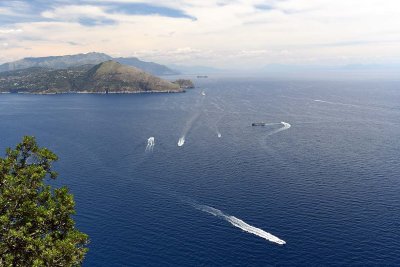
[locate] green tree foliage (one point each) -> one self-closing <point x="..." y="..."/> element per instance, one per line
<point x="36" y="225"/>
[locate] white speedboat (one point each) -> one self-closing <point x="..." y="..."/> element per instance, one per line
<point x="181" y="141"/>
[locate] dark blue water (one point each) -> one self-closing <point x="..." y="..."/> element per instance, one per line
<point x="329" y="185"/>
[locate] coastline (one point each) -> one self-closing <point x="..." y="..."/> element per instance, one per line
<point x="98" y="93"/>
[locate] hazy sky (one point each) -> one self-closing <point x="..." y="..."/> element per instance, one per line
<point x="218" y="33"/>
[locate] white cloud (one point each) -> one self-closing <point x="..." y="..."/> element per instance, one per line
<point x="225" y="33"/>
<point x="74" y="12"/>
<point x="10" y="31"/>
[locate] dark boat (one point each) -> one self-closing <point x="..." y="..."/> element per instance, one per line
<point x="258" y="124"/>
<point x="202" y="76"/>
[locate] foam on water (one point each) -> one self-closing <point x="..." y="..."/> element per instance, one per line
<point x="241" y="224"/>
<point x="189" y="124"/>
<point x="285" y="125"/>
<point x="181" y="141"/>
<point x="216" y="127"/>
<point x="150" y="144"/>
<point x="283" y="128"/>
<point x="335" y="103"/>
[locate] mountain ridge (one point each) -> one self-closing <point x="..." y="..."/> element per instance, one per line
<point x="92" y="58"/>
<point x="106" y="77"/>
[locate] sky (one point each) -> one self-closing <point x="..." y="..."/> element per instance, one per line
<point x="221" y="33"/>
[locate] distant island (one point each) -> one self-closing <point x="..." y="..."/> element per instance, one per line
<point x="106" y="77"/>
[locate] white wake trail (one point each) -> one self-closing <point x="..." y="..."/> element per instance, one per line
<point x="189" y="125"/>
<point x="216" y="126"/>
<point x="150" y="144"/>
<point x="336" y="103"/>
<point x="187" y="128"/>
<point x="217" y="122"/>
<point x="283" y="128"/>
<point x="241" y="224"/>
<point x="285" y="125"/>
<point x="181" y="141"/>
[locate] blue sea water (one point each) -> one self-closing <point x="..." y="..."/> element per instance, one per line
<point x="329" y="185"/>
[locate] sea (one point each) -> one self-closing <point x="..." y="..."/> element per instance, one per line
<point x="184" y="179"/>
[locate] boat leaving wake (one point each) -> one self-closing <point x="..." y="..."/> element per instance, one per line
<point x="285" y="125"/>
<point x="150" y="144"/>
<point x="283" y="128"/>
<point x="241" y="224"/>
<point x="187" y="128"/>
<point x="181" y="141"/>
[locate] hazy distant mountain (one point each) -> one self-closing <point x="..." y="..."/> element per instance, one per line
<point x="349" y="67"/>
<point x="331" y="72"/>
<point x="197" y="70"/>
<point x="371" y="67"/>
<point x="106" y="77"/>
<point x="63" y="62"/>
<point x="150" y="67"/>
<point x="56" y="62"/>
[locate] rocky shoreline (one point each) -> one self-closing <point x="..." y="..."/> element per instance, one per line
<point x="97" y="93"/>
